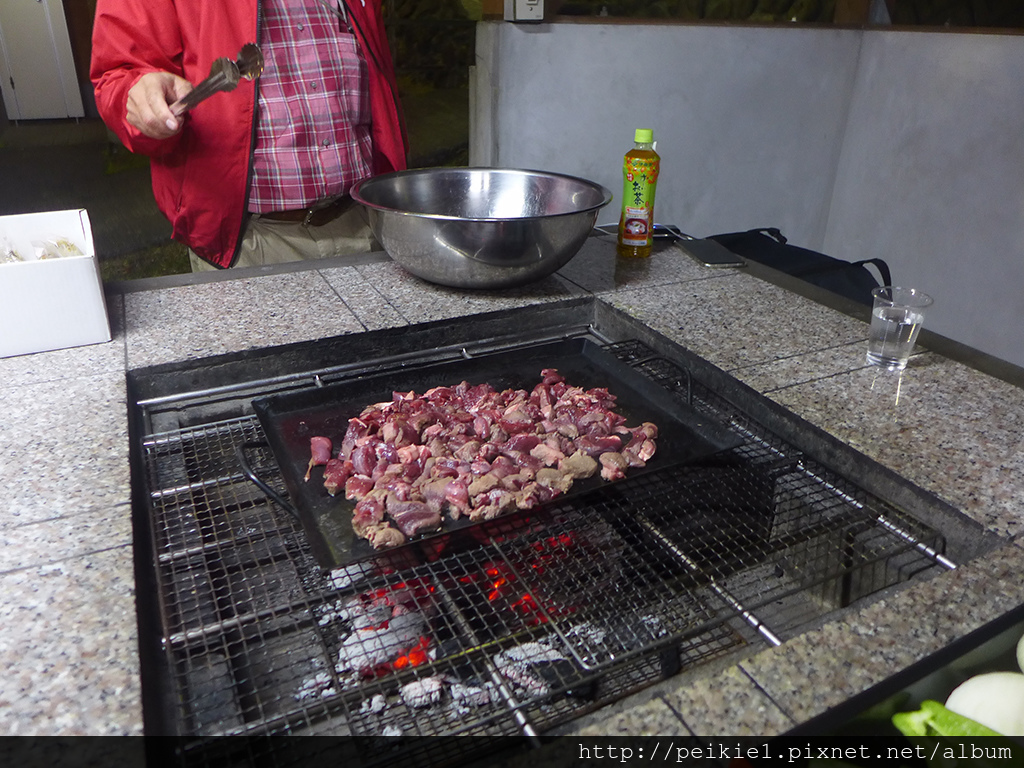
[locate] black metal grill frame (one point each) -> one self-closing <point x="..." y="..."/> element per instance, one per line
<point x="752" y="548"/>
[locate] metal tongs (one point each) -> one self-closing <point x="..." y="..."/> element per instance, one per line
<point x="224" y="76"/>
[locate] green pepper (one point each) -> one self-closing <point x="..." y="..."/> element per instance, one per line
<point x="933" y="719"/>
<point x="941" y="733"/>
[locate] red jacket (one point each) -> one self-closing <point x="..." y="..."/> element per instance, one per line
<point x="201" y="175"/>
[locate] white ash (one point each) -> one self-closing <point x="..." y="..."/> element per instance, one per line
<point x="529" y="653"/>
<point x="362" y="616"/>
<point x="654" y="625"/>
<point x="422" y="693"/>
<point x="520" y="675"/>
<point x="368" y="648"/>
<point x="588" y="633"/>
<point x="331" y="613"/>
<point x="373" y="706"/>
<point x="317" y="687"/>
<point x="514" y="665"/>
<point x="343" y="578"/>
<point x="469" y="695"/>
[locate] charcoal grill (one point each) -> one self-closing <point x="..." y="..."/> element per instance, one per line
<point x="521" y="625"/>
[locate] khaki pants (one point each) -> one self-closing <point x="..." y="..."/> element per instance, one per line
<point x="266" y="241"/>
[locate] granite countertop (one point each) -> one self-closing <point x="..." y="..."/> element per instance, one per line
<point x="67" y="594"/>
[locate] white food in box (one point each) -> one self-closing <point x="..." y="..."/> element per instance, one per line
<point x="50" y="303"/>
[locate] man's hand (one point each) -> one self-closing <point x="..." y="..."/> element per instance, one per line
<point x="149" y="103"/>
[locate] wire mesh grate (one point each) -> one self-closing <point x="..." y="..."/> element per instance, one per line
<point x="526" y="624"/>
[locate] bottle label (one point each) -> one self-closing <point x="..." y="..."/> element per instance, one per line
<point x="636" y="226"/>
<point x="640" y="177"/>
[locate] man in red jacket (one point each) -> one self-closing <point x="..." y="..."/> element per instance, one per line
<point x="260" y="174"/>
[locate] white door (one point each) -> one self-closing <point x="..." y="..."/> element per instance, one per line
<point x="37" y="70"/>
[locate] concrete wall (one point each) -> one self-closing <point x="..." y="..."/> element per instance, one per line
<point x="931" y="177"/>
<point x="905" y="145"/>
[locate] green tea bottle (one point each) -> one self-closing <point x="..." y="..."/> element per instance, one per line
<point x="640" y="169"/>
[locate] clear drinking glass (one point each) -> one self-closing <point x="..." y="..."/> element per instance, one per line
<point x="896" y="319"/>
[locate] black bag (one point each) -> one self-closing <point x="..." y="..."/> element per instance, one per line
<point x="769" y="247"/>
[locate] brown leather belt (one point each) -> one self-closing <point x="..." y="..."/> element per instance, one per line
<point x="316" y="215"/>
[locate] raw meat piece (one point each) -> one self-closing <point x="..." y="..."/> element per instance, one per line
<point x="641" y="445"/>
<point x="595" y="446"/>
<point x="432" y="491"/>
<point x="551" y="376"/>
<point x="472" y="451"/>
<point x="548" y="454"/>
<point x="483" y="484"/>
<point x="357" y="486"/>
<point x="369" y="511"/>
<point x="336" y="474"/>
<point x="522" y="443"/>
<point x="492" y="504"/>
<point x="613" y="465"/>
<point x="579" y="465"/>
<point x="320" y="453"/>
<point x="412" y="517"/>
<point x="384" y="536"/>
<point x="364" y="458"/>
<point x="533" y="494"/>
<point x="554" y="479"/>
<point x="456" y="494"/>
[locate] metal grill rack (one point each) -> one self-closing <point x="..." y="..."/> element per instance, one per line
<point x="521" y="624"/>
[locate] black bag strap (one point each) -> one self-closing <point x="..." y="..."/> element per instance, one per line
<point x="769" y="246"/>
<point x="834" y="265"/>
<point x="880" y="265"/>
<point x="771" y="232"/>
<point x="827" y="266"/>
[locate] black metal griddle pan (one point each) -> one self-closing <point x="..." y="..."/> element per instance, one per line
<point x="290" y="420"/>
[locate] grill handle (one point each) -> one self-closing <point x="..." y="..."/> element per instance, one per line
<point x="249" y="472"/>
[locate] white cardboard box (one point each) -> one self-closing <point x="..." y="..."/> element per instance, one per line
<point x="50" y="303"/>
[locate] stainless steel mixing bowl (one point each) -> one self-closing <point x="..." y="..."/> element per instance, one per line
<point x="481" y="227"/>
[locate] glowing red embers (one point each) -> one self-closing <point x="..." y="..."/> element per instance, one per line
<point x="502" y="587"/>
<point x="414" y="656"/>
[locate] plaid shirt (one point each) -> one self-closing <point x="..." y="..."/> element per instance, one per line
<point x="313" y="130"/>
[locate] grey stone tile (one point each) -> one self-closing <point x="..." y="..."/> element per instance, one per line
<point x="420" y="301"/>
<point x="48" y="541"/>
<point x="597" y="269"/>
<point x="220" y="317"/>
<point x="738" y="320"/>
<point x="63" y="448"/>
<point x="69" y="648"/>
<point x="943" y="426"/>
<point x="372" y="309"/>
<point x="728" y="704"/>
<point x="652" y="718"/>
<point x="802" y="368"/>
<point x="823" y="668"/>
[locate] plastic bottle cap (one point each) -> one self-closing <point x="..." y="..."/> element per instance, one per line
<point x="643" y="136"/>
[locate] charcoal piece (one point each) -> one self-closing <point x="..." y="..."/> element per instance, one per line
<point x="539" y="669"/>
<point x="561" y="672"/>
